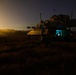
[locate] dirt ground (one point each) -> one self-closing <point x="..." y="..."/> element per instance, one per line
<point x="21" y="56"/>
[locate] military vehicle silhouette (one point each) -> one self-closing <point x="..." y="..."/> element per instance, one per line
<point x="57" y="27"/>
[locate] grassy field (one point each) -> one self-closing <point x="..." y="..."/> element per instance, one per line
<point x="21" y="56"/>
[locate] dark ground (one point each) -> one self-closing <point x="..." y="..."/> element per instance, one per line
<point x="21" y="56"/>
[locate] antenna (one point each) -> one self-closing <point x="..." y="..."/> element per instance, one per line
<point x="54" y="11"/>
<point x="40" y="17"/>
<point x="72" y="15"/>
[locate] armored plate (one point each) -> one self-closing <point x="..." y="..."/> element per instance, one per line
<point x="37" y="32"/>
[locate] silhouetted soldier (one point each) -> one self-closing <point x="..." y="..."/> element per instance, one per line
<point x="42" y="31"/>
<point x="42" y="28"/>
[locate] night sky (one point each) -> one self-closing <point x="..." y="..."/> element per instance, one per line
<point x="18" y="14"/>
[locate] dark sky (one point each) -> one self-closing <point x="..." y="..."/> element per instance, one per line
<point x="18" y="14"/>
